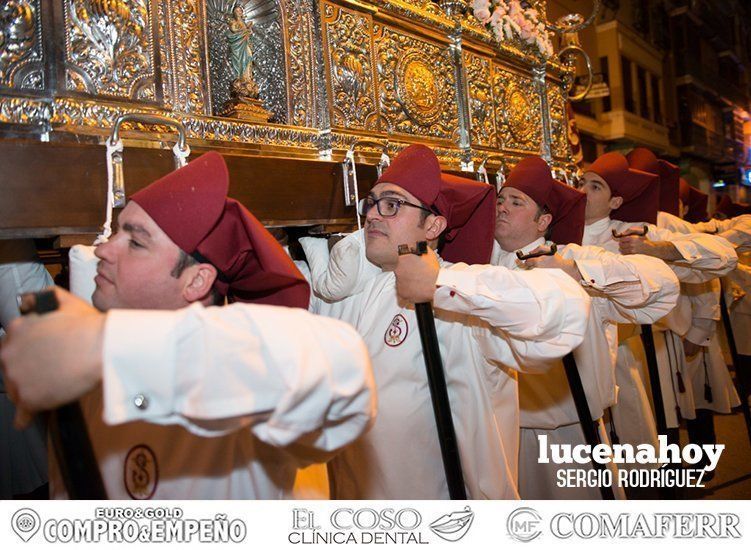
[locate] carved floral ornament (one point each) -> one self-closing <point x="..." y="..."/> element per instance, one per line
<point x="509" y="20"/>
<point x="109" y="46"/>
<point x="17" y="20"/>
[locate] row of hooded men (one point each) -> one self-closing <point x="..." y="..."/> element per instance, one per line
<point x="183" y="400"/>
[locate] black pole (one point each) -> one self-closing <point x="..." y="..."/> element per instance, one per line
<point x="654" y="378"/>
<point x="438" y="392"/>
<point x="577" y="388"/>
<point x="738" y="363"/>
<point x="70" y="438"/>
<point x="589" y="427"/>
<point x="648" y="340"/>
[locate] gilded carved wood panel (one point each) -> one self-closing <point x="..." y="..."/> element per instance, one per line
<point x="517" y="111"/>
<point x="558" y="122"/>
<point x="416" y="83"/>
<point x="480" y="100"/>
<point x="352" y="99"/>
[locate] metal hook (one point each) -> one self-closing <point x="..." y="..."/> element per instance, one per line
<point x="148" y="118"/>
<point x="385" y="159"/>
<point x="482" y="171"/>
<point x="561" y="175"/>
<point x="114" y="147"/>
<point x="349" y="170"/>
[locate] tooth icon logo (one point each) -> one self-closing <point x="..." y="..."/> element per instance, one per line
<point x="452" y="527"/>
<point x="25" y="522"/>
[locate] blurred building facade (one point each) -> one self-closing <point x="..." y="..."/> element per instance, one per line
<point x="674" y="76"/>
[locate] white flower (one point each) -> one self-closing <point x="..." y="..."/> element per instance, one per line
<point x="508" y="20"/>
<point x="482" y="10"/>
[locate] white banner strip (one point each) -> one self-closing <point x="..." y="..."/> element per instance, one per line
<point x="439" y="524"/>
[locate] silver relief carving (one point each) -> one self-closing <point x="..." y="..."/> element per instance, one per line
<point x="270" y="69"/>
<point x="16" y="110"/>
<point x="21" y="54"/>
<point x="391" y="67"/>
<point x="95" y="116"/>
<point x="218" y="13"/>
<point x="108" y="48"/>
<point x="188" y="67"/>
<point x="166" y="55"/>
<point x="302" y="62"/>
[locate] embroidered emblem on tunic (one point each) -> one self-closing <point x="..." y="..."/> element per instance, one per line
<point x="141" y="473"/>
<point x="397" y="331"/>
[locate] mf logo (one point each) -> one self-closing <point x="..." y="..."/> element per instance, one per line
<point x="523" y="524"/>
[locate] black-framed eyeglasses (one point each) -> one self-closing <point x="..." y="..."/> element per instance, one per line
<point x="388" y="207"/>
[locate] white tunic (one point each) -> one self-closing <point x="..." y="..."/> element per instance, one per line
<point x="626" y="289"/>
<point x="703" y="257"/>
<point x="623" y="289"/>
<point x="738" y="299"/>
<point x="736" y="230"/>
<point x="491" y="322"/>
<point x="737" y="283"/>
<point x="237" y="397"/>
<point x="707" y="369"/>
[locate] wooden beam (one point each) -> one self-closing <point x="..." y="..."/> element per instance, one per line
<point x="51" y="189"/>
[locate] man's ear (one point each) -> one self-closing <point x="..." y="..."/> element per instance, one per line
<point x="200" y="279"/>
<point x="544" y="221"/>
<point x="616" y="203"/>
<point x="435" y="227"/>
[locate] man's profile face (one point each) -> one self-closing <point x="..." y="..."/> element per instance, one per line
<point x="599" y="197"/>
<point x="384" y="235"/>
<point x="134" y="270"/>
<point x="516" y="223"/>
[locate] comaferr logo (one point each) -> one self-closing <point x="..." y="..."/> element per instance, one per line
<point x="686" y="525"/>
<point x="523" y="524"/>
<point x="452" y="527"/>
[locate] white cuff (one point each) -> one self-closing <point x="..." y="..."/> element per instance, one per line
<point x="688" y="250"/>
<point x="138" y="365"/>
<point x="457" y="280"/>
<point x="593" y="273"/>
<point x="698" y="336"/>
